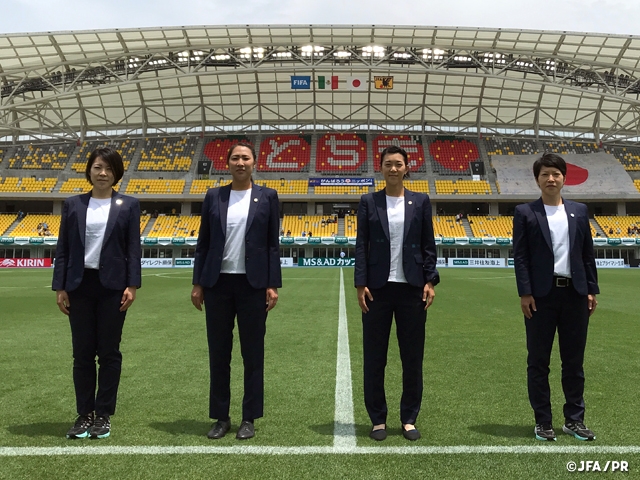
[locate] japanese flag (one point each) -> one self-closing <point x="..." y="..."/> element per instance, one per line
<point x="356" y="83"/>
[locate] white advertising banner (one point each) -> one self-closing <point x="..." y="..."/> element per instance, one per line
<point x="610" y="262"/>
<point x="287" y="262"/>
<point x="477" y="262"/>
<point x="156" y="262"/>
<point x="441" y="262"/>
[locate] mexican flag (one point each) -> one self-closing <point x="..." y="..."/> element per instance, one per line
<point x="327" y="83"/>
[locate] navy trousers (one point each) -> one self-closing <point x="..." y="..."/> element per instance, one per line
<point x="96" y="330"/>
<point x="232" y="296"/>
<point x="566" y="311"/>
<point x="403" y="301"/>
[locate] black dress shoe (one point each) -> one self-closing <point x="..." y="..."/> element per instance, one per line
<point x="246" y="430"/>
<point x="412" y="435"/>
<point x="219" y="429"/>
<point x="379" y="434"/>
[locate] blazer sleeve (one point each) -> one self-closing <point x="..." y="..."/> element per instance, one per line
<point x="62" y="252"/>
<point x="202" y="245"/>
<point x="362" y="244"/>
<point x="521" y="252"/>
<point x="588" y="259"/>
<point x="429" y="252"/>
<point x="134" y="250"/>
<point x="273" y="242"/>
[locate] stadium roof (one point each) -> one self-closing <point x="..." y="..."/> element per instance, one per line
<point x="225" y="78"/>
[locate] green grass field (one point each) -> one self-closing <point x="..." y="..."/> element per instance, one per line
<point x="476" y="420"/>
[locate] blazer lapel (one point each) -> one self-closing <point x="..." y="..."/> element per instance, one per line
<point x="256" y="194"/>
<point x="82" y="215"/>
<point x="571" y="218"/>
<point x="380" y="199"/>
<point x="541" y="215"/>
<point x="409" y="208"/>
<point x="223" y="205"/>
<point x="116" y="207"/>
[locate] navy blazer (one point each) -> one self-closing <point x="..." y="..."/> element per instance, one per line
<point x="120" y="254"/>
<point x="373" y="247"/>
<point x="533" y="251"/>
<point x="262" y="244"/>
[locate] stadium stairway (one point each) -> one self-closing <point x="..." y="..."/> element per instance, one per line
<point x="148" y="228"/>
<point x="312" y="162"/>
<point x="341" y="228"/>
<point x="467" y="228"/>
<point x="12" y="227"/>
<point x="488" y="169"/>
<point x="597" y="227"/>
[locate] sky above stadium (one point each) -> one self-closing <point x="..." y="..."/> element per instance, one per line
<point x="601" y="16"/>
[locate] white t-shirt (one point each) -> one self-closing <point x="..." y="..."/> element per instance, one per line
<point x="395" y="215"/>
<point x="559" y="229"/>
<point x="234" y="244"/>
<point x="97" y="216"/>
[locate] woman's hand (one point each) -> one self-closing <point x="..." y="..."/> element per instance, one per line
<point x="128" y="296"/>
<point x="363" y="294"/>
<point x="62" y="299"/>
<point x="197" y="296"/>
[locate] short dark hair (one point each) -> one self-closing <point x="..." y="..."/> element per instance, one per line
<point x="112" y="157"/>
<point x="390" y="150"/>
<point x="552" y="160"/>
<point x="242" y="143"/>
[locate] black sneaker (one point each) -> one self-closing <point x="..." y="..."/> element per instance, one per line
<point x="82" y="426"/>
<point x="544" y="432"/>
<point x="578" y="430"/>
<point x="101" y="427"/>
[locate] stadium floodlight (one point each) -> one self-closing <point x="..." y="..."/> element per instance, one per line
<point x="342" y="54"/>
<point x="373" y="51"/>
<point x="312" y="50"/>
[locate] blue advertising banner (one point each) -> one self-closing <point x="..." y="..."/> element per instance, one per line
<point x="300" y="82"/>
<point x="320" y="182"/>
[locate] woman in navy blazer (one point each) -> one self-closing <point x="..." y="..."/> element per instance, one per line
<point x="237" y="273"/>
<point x="96" y="275"/>
<point x="395" y="274"/>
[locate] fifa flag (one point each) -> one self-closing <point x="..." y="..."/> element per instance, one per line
<point x="356" y="83"/>
<point x="383" y="83"/>
<point x="327" y="83"/>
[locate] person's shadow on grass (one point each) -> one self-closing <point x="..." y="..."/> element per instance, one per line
<point x="505" y="431"/>
<point x="362" y="431"/>
<point x="183" y="427"/>
<point x="40" y="429"/>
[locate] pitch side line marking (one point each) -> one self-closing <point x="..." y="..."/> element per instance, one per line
<point x="344" y="429"/>
<point x="274" y="450"/>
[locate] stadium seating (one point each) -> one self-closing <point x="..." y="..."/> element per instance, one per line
<point x="174" y="226"/>
<point x="285" y="153"/>
<point x="509" y="146"/>
<point x="286" y="187"/>
<point x="446" y="226"/>
<point x="139" y="186"/>
<point x="200" y="187"/>
<point x="637" y="184"/>
<point x="618" y="224"/>
<point x="305" y="223"/>
<point x="340" y="190"/>
<point x="341" y="153"/>
<point x="462" y="187"/>
<point x="491" y="226"/>
<point x="570" y="147"/>
<point x="6" y="219"/>
<point x="41" y="157"/>
<point x="412" y="144"/>
<point x="629" y="157"/>
<point x="80" y="185"/>
<point x="126" y="149"/>
<point x="167" y="154"/>
<point x="144" y="220"/>
<point x="350" y="225"/>
<point x="27" y="185"/>
<point x="2" y="152"/>
<point x="28" y="226"/>
<point x="421" y="186"/>
<point x="452" y="156"/>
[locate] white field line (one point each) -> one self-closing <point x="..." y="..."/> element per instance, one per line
<point x="344" y="429"/>
<point x="354" y="450"/>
